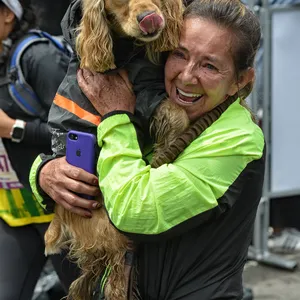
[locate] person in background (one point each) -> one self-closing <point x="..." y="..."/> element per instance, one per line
<point x="191" y="219"/>
<point x="22" y="137"/>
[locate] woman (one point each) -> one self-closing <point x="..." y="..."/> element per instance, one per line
<point x="192" y="219"/>
<point x="22" y="222"/>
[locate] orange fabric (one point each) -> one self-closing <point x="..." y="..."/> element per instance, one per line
<point x="72" y="107"/>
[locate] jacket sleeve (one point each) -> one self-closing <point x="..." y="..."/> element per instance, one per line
<point x="147" y="203"/>
<point x="149" y="87"/>
<point x="70" y="110"/>
<point x="44" y="67"/>
<point x="43" y="199"/>
<point x="65" y="114"/>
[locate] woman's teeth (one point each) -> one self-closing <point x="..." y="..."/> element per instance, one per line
<point x="188" y="97"/>
<point x="188" y="94"/>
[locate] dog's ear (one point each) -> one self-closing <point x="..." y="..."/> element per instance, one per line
<point x="173" y="13"/>
<point x="94" y="44"/>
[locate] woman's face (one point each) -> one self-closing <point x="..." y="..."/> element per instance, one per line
<point x="199" y="74"/>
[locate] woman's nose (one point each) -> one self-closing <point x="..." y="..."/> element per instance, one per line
<point x="187" y="76"/>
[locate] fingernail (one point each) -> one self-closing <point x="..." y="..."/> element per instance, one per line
<point x="96" y="205"/>
<point x="88" y="215"/>
<point x="96" y="181"/>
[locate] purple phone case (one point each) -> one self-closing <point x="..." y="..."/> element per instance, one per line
<point x="81" y="152"/>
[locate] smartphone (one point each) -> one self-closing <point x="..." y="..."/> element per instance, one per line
<point x="80" y="151"/>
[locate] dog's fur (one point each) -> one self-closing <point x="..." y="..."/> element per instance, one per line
<point x="94" y="43"/>
<point x="95" y="243"/>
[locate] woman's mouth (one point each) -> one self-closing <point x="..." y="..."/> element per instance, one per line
<point x="187" y="97"/>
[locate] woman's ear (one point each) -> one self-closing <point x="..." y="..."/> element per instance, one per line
<point x="9" y="16"/>
<point x="245" y="77"/>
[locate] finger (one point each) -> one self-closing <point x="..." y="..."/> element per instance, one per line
<point x="86" y="73"/>
<point x="82" y="188"/>
<point x="81" y="175"/>
<point x="80" y="78"/>
<point x="124" y="75"/>
<point x="74" y="200"/>
<point x="76" y="210"/>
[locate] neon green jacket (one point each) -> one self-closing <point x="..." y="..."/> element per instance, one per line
<point x="191" y="220"/>
<point x="147" y="201"/>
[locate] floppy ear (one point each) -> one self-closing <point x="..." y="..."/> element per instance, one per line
<point x="173" y="13"/>
<point x="94" y="44"/>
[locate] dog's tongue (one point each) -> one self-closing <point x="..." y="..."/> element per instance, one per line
<point x="151" y="23"/>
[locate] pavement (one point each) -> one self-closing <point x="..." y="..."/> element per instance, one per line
<point x="270" y="283"/>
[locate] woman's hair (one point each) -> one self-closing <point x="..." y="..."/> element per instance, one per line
<point x="21" y="27"/>
<point x="243" y="23"/>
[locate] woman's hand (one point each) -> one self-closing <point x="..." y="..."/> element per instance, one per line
<point x="63" y="182"/>
<point x="107" y="93"/>
<point x="6" y="124"/>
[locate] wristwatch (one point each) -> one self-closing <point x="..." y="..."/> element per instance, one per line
<point x="17" y="132"/>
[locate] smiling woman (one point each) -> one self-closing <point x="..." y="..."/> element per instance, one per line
<point x="191" y="218"/>
<point x="200" y="74"/>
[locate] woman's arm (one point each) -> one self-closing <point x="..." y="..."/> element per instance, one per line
<point x="204" y="182"/>
<point x="44" y="68"/>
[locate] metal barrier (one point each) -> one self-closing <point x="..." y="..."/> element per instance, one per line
<point x="259" y="249"/>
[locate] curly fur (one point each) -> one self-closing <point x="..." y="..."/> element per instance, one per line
<point x="100" y="18"/>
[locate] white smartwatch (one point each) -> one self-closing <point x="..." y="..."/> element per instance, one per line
<point x="17" y="132"/>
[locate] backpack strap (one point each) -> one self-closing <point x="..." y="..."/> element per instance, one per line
<point x="20" y="91"/>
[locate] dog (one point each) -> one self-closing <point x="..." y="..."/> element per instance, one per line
<point x="154" y="23"/>
<point x="95" y="244"/>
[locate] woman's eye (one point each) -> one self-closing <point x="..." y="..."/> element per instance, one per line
<point x="178" y="54"/>
<point x="210" y="67"/>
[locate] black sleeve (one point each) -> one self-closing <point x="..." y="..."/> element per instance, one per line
<point x="44" y="67"/>
<point x="37" y="132"/>
<point x="149" y="87"/>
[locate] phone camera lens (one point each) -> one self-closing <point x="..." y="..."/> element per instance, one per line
<point x="73" y="137"/>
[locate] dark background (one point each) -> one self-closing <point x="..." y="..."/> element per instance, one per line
<point x="50" y="13"/>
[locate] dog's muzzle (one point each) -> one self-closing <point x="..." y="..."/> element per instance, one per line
<point x="150" y="22"/>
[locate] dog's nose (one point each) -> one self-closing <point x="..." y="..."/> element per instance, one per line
<point x="150" y="22"/>
<point x="140" y="17"/>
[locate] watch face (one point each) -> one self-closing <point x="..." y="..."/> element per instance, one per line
<point x="17" y="133"/>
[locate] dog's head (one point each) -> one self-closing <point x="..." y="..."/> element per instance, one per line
<point x="154" y="22"/>
<point x="140" y="19"/>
